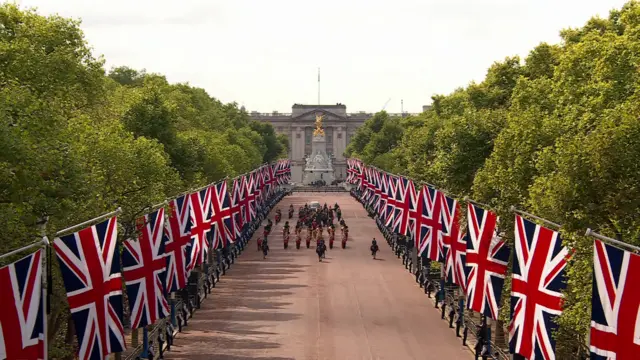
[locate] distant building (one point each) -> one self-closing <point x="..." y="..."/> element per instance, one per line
<point x="298" y="125"/>
<point x="426" y="107"/>
<point x="339" y="127"/>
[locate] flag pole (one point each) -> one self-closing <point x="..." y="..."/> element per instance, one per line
<point x="318" y="86"/>
<point x="590" y="232"/>
<point x="467" y="199"/>
<point x="45" y="282"/>
<point x="45" y="293"/>
<point x="84" y="224"/>
<point x="38" y="243"/>
<point x="524" y="213"/>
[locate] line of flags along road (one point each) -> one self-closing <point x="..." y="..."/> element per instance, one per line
<point x="476" y="258"/>
<point x="169" y="246"/>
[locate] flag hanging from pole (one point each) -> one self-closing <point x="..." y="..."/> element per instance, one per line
<point x="22" y="315"/>
<point x="615" y="305"/>
<point x="143" y="265"/>
<point x="536" y="289"/>
<point x="91" y="275"/>
<point x="178" y="240"/>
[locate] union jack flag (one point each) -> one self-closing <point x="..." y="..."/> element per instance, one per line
<point x="615" y="306"/>
<point x="371" y="185"/>
<point x="428" y="224"/>
<point x="250" y="198"/>
<point x="392" y="184"/>
<point x="258" y="185"/>
<point x="352" y="172"/>
<point x="237" y="195"/>
<point x="143" y="267"/>
<point x="362" y="178"/>
<point x="283" y="171"/>
<point x="402" y="203"/>
<point x="269" y="181"/>
<point x="455" y="244"/>
<point x="375" y="177"/>
<point x="287" y="173"/>
<point x="384" y="195"/>
<point x="91" y="276"/>
<point x="201" y="228"/>
<point x="178" y="239"/>
<point x="221" y="215"/>
<point x="536" y="285"/>
<point x="487" y="258"/>
<point x="22" y="315"/>
<point x="279" y="171"/>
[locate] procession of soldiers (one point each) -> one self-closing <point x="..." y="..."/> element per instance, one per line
<point x="311" y="224"/>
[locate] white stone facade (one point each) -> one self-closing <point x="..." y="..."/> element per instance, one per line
<point x="298" y="125"/>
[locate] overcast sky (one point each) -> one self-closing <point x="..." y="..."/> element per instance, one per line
<point x="264" y="54"/>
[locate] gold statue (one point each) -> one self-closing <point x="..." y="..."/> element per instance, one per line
<point x="318" y="131"/>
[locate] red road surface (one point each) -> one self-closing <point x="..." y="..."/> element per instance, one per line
<point x="290" y="306"/>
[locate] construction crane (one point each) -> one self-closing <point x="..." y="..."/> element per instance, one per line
<point x="385" y="104"/>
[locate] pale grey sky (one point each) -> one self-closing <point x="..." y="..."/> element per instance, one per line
<point x="265" y="53"/>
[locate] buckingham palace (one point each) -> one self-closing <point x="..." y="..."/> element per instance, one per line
<point x="339" y="127"/>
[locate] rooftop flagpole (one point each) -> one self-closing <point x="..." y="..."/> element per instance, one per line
<point x="318" y="86"/>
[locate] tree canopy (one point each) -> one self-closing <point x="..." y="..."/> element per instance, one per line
<point x="556" y="134"/>
<point x="77" y="141"/>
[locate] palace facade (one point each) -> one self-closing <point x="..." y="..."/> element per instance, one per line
<point x="339" y="127"/>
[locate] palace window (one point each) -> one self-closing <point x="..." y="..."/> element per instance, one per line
<point x="308" y="133"/>
<point x="329" y="138"/>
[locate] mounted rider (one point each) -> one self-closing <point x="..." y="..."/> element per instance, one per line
<point x="374" y="247"/>
<point x="321" y="250"/>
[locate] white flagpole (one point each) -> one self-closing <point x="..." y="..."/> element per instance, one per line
<point x="71" y="229"/>
<point x="43" y="291"/>
<point x="590" y="232"/>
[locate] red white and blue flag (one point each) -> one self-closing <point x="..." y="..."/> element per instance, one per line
<point x="283" y="172"/>
<point x="371" y="185"/>
<point x="401" y="219"/>
<point x="359" y="174"/>
<point x="615" y="306"/>
<point x="178" y="243"/>
<point x="22" y="315"/>
<point x="287" y="171"/>
<point x="258" y="186"/>
<point x="352" y="171"/>
<point x="250" y="198"/>
<point x="384" y="196"/>
<point x="377" y="192"/>
<point x="455" y="244"/>
<point x="91" y="274"/>
<point x="270" y="181"/>
<point x="362" y="179"/>
<point x="221" y="226"/>
<point x="487" y="258"/>
<point x="536" y="285"/>
<point x="237" y="195"/>
<point x="279" y="171"/>
<point x="143" y="265"/>
<point x="201" y="229"/>
<point x="428" y="224"/>
<point x="392" y="183"/>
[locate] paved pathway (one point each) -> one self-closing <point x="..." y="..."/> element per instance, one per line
<point x="290" y="306"/>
